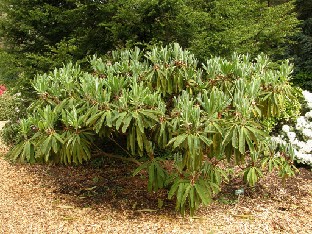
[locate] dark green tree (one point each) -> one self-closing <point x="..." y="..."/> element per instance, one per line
<point x="302" y="50"/>
<point x="208" y="28"/>
<point x="41" y="34"/>
<point x="246" y="26"/>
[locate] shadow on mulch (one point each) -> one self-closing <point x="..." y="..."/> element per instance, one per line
<point x="271" y="184"/>
<point x="106" y="183"/>
<point x="103" y="183"/>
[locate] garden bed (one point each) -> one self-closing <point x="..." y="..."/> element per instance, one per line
<point x="103" y="197"/>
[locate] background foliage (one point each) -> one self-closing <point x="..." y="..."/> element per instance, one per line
<point x="302" y="50"/>
<point x="40" y="35"/>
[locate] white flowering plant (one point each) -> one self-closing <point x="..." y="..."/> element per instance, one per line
<point x="299" y="135"/>
<point x="12" y="109"/>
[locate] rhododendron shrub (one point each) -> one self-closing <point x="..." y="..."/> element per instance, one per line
<point x="205" y="116"/>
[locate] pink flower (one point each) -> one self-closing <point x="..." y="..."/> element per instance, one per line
<point x="2" y="89"/>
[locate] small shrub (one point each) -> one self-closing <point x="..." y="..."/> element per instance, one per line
<point x="7" y="105"/>
<point x="10" y="134"/>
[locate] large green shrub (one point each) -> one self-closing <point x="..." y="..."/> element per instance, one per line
<point x="208" y="117"/>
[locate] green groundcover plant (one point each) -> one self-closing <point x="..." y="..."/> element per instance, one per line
<point x="207" y="117"/>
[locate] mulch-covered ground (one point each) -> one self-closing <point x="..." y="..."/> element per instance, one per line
<point x="103" y="197"/>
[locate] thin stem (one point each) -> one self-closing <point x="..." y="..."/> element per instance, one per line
<point x="119" y="157"/>
<point x="120" y="146"/>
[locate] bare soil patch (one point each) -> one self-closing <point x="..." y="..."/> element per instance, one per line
<point x="103" y="197"/>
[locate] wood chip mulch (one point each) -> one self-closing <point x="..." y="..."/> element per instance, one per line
<point x="103" y="197"/>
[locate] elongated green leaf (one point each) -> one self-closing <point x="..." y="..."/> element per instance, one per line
<point x="126" y="123"/>
<point x="140" y="168"/>
<point x="46" y="147"/>
<point x="228" y="136"/>
<point x="202" y="194"/>
<point x="250" y="176"/>
<point x="179" y="195"/>
<point x="16" y="152"/>
<point x="161" y="176"/>
<point x="54" y="144"/>
<point x="27" y="150"/>
<point x="192" y="197"/>
<point x="94" y="117"/>
<point x="256" y="131"/>
<point x="139" y="123"/>
<point x="131" y="138"/>
<point x="58" y="137"/>
<point x="205" y="140"/>
<point x="109" y="118"/>
<point x="174" y="188"/>
<point x="186" y="193"/>
<point x="235" y="137"/>
<point x="191" y="146"/>
<point x="249" y="141"/>
<point x="120" y="118"/>
<point x="177" y="140"/>
<point x="151" y="177"/>
<point x="139" y="138"/>
<point x="259" y="172"/>
<point x="242" y="140"/>
<point x="214" y="187"/>
<point x="150" y="114"/>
